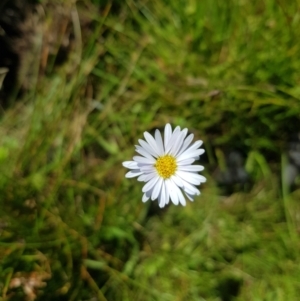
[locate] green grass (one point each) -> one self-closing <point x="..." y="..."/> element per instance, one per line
<point x="228" y="71"/>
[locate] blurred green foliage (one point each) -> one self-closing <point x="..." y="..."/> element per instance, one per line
<point x="228" y="71"/>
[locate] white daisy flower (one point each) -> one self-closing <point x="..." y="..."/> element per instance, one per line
<point x="165" y="166"/>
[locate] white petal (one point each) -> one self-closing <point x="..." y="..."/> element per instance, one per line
<point x="193" y="168"/>
<point x="176" y="129"/>
<point x="177" y="180"/>
<point x="172" y="139"/>
<point x="130" y="164"/>
<point x="145" y="198"/>
<point x="189" y="191"/>
<point x="159" y="142"/>
<point x="186" y="162"/>
<point x="143" y="152"/>
<point x="146" y="177"/>
<point x="157" y="189"/>
<point x="168" y="134"/>
<point x="179" y="194"/>
<point x="190" y="188"/>
<point x="172" y="191"/>
<point x="167" y="192"/>
<point x="144" y="160"/>
<point x="190" y="196"/>
<point x="141" y="178"/>
<point x="162" y="196"/>
<point x="202" y="178"/>
<point x="191" y="177"/>
<point x="133" y="173"/>
<point x="186" y="143"/>
<point x="150" y="184"/>
<point x="181" y="198"/>
<point x="147" y="147"/>
<point x="148" y="193"/>
<point x="178" y="143"/>
<point x="151" y="142"/>
<point x="197" y="177"/>
<point x="193" y="147"/>
<point x="187" y="154"/>
<point x="147" y="168"/>
<point x="184" y="132"/>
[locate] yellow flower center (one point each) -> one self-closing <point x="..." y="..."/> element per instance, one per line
<point x="166" y="166"/>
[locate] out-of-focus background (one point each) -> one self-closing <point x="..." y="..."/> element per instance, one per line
<point x="80" y="83"/>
